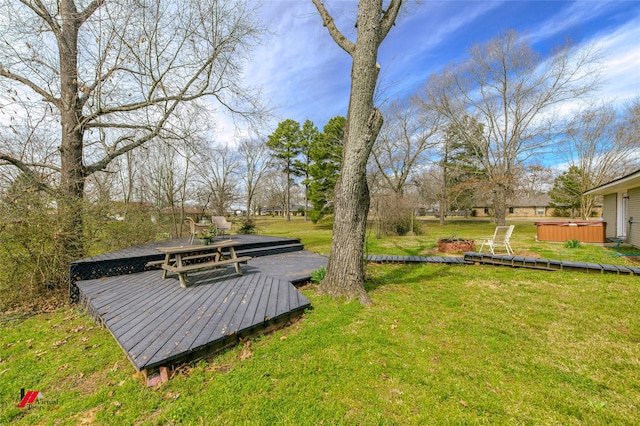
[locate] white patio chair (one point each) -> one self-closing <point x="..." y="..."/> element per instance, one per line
<point x="500" y="238"/>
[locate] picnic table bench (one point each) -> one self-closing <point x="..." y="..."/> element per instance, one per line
<point x="176" y="256"/>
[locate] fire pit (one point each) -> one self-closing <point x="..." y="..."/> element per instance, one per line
<point x="456" y="245"/>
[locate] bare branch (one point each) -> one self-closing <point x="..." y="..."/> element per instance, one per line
<point x="26" y="168"/>
<point x="89" y="10"/>
<point x="30" y="84"/>
<point x="327" y="20"/>
<point x="389" y="18"/>
<point x="41" y="10"/>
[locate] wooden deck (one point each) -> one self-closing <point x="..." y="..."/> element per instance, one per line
<point x="158" y="323"/>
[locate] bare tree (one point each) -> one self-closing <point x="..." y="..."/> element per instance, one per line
<point x="166" y="176"/>
<point x="218" y="169"/>
<point x="273" y="194"/>
<point x="404" y="138"/>
<point x="345" y="271"/>
<point x="603" y="144"/>
<point x="114" y="74"/>
<point x="255" y="161"/>
<point x="535" y="179"/>
<point x="511" y="90"/>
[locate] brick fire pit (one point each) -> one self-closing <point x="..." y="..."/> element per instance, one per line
<point x="456" y="245"/>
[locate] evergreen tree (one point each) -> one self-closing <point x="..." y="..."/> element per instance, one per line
<point x="326" y="161"/>
<point x="566" y="193"/>
<point x="308" y="134"/>
<point x="284" y="145"/>
<point x="461" y="165"/>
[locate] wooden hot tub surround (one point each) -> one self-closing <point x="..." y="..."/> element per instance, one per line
<point x="584" y="231"/>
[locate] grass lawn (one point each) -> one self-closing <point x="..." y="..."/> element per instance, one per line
<point x="440" y="345"/>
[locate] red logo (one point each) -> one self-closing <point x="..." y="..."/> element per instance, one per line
<point x="28" y="397"/>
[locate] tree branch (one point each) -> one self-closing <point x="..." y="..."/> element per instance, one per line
<point x="30" y="84"/>
<point x="89" y="10"/>
<point x="327" y="20"/>
<point x="24" y="168"/>
<point x="389" y="18"/>
<point x="40" y="9"/>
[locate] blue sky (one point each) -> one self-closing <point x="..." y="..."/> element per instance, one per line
<point x="305" y="75"/>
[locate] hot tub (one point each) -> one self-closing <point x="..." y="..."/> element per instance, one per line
<point x="584" y="231"/>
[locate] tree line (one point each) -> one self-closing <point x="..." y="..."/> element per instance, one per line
<point x="132" y="92"/>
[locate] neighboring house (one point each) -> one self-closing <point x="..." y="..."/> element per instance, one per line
<point x="621" y="207"/>
<point x="279" y="210"/>
<point x="535" y="206"/>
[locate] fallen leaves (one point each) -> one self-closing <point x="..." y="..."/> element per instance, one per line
<point x="59" y="343"/>
<point x="245" y="353"/>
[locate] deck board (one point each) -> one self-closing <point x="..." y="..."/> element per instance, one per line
<point x="175" y="321"/>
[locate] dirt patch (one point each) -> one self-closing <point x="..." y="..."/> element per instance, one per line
<point x="86" y="417"/>
<point x="456" y="246"/>
<point x="527" y="253"/>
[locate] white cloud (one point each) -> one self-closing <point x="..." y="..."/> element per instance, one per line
<point x="622" y="61"/>
<point x="306" y="75"/>
<point x="576" y="14"/>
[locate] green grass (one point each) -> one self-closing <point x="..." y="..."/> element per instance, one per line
<point x="440" y="345"/>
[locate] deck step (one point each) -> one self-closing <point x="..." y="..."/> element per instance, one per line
<point x="270" y="250"/>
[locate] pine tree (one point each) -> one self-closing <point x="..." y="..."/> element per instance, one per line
<point x="284" y="144"/>
<point x="566" y="193"/>
<point x="326" y="157"/>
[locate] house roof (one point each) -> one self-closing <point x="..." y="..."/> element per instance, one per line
<point x="622" y="184"/>
<point x="539" y="200"/>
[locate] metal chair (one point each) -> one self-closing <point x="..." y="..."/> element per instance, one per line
<point x="500" y="238"/>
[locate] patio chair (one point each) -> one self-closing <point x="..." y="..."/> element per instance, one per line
<point x="500" y="238"/>
<point x="194" y="228"/>
<point x="221" y="224"/>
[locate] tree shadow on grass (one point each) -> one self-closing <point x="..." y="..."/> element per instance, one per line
<point x="420" y="250"/>
<point x="403" y="274"/>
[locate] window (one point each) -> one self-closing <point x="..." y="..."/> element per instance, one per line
<point x="540" y="211"/>
<point x="510" y="210"/>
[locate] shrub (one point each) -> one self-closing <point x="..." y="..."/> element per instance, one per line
<point x="317" y="276"/>
<point x="314" y="215"/>
<point x="248" y="227"/>
<point x="326" y="220"/>
<point x="394" y="216"/>
<point x="559" y="212"/>
<point x="573" y="244"/>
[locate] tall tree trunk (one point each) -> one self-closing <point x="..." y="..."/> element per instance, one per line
<point x="287" y="206"/>
<point x="345" y="271"/>
<point x="443" y="195"/>
<point x="71" y="146"/>
<point x="248" y="205"/>
<point x="500" y="204"/>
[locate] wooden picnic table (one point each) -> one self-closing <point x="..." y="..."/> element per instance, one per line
<point x="175" y="256"/>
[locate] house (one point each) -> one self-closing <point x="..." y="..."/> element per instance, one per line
<point x="531" y="206"/>
<point x="620" y="206"/>
<point x="295" y="210"/>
